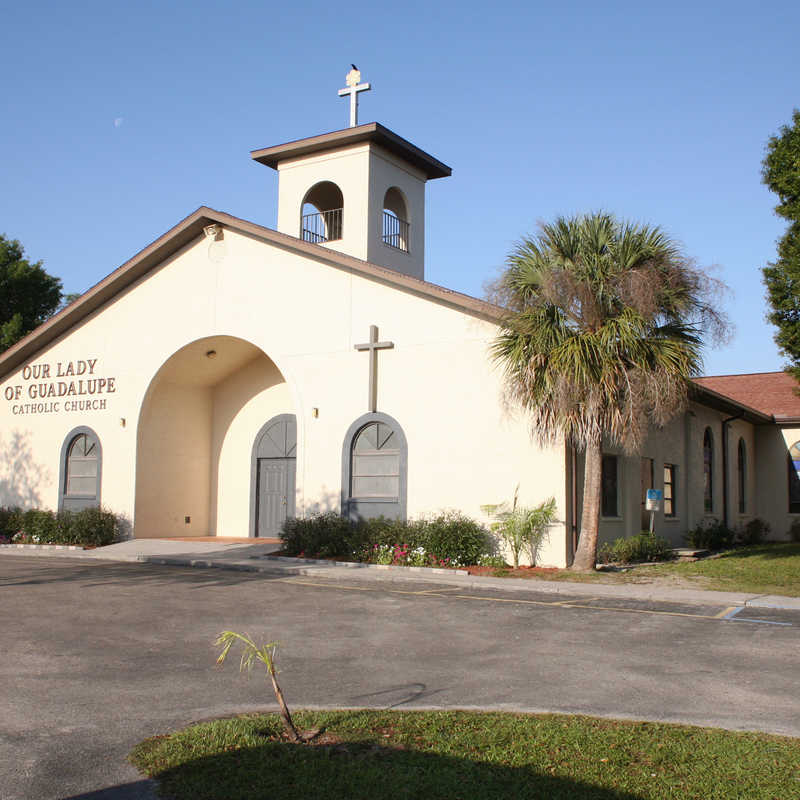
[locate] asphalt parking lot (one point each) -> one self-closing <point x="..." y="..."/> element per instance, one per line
<point x="100" y="655"/>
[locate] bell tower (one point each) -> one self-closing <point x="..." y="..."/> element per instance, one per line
<point x="360" y="190"/>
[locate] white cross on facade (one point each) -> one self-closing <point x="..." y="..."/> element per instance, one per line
<point x="353" y="88"/>
<point x="373" y="345"/>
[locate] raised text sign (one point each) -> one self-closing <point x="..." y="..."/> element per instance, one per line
<point x="62" y="386"/>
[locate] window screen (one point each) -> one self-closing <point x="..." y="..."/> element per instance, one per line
<point x="81" y="472"/>
<point x="669" y="490"/>
<point x="609" y="487"/>
<point x="376" y="463"/>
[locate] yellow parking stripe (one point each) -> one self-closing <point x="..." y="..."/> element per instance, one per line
<point x="560" y="603"/>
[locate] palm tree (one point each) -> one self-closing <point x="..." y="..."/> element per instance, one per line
<point x="603" y="327"/>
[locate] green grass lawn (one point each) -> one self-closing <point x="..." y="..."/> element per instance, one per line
<point x="381" y="754"/>
<point x="764" y="569"/>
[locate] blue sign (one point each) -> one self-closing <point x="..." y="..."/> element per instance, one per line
<point x="653" y="499"/>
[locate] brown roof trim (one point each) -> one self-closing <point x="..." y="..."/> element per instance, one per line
<point x="721" y="402"/>
<point x="189" y="229"/>
<point x="371" y="132"/>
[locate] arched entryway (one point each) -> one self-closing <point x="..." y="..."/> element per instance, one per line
<point x="274" y="475"/>
<point x="203" y="411"/>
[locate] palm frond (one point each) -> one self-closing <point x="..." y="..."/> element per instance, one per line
<point x="605" y="325"/>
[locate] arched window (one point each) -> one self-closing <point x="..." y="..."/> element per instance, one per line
<point x="80" y="468"/>
<point x="321" y="214"/>
<point x="708" y="472"/>
<point x="374" y="469"/>
<point x="395" y="219"/>
<point x="741" y="476"/>
<point x="794" y="478"/>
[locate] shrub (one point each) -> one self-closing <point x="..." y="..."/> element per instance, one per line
<point x="754" y="532"/>
<point x="10" y="522"/>
<point x="43" y="527"/>
<point x="447" y="538"/>
<point x="93" y="527"/>
<point x="391" y="532"/>
<point x="328" y="534"/>
<point x="644" y="546"/>
<point x="452" y="536"/>
<point x="794" y="531"/>
<point x="711" y="535"/>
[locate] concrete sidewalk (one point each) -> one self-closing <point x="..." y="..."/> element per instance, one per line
<point x="255" y="557"/>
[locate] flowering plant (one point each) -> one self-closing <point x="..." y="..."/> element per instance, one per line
<point x="25" y="538"/>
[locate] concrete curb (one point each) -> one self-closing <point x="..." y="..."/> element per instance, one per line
<point x="361" y="565"/>
<point x="43" y="547"/>
<point x="278" y="566"/>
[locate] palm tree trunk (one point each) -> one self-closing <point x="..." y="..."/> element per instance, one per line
<point x="586" y="554"/>
<point x="288" y="723"/>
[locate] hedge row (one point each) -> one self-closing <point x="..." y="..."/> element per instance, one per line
<point x="91" y="527"/>
<point x="448" y="537"/>
<point x="641" y="548"/>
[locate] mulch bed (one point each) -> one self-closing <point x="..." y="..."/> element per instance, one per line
<point x="510" y="572"/>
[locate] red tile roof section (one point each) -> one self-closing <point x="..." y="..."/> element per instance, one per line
<point x="768" y="392"/>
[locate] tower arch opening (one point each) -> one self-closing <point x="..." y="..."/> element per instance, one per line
<point x="322" y="213"/>
<point x="395" y="219"/>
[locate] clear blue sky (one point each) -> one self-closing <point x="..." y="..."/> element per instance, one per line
<point x="121" y="119"/>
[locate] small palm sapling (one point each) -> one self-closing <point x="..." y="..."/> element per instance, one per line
<point x="251" y="652"/>
<point x="522" y="528"/>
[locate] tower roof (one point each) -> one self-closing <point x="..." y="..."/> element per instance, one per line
<point x="371" y="132"/>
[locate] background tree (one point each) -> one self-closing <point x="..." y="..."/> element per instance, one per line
<point x="781" y="173"/>
<point x="603" y="328"/>
<point x="28" y="295"/>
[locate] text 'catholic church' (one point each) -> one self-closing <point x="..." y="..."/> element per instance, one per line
<point x="312" y="368"/>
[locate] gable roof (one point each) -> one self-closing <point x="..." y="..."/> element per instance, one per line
<point x="191" y="228"/>
<point x="771" y="393"/>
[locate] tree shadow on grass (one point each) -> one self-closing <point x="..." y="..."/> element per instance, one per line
<point x="362" y="769"/>
<point x="765" y="551"/>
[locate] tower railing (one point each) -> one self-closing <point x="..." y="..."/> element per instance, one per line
<point x="395" y="232"/>
<point x="322" y="226"/>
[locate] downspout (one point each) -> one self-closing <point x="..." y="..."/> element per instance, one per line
<point x="725" y="423"/>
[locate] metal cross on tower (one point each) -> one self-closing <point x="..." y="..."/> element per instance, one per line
<point x="373" y="345"/>
<point x="354" y="86"/>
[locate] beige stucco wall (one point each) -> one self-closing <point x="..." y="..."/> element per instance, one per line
<point x="464" y="450"/>
<point x="174" y="453"/>
<point x="680" y="443"/>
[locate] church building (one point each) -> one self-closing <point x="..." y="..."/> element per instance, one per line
<point x="230" y="375"/>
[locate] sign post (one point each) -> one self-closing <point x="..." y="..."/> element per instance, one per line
<point x="652" y="504"/>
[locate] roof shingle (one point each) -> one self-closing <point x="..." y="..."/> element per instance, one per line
<point x="768" y="392"/>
